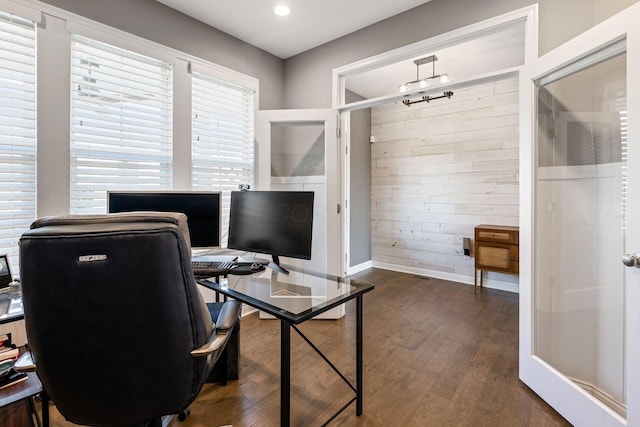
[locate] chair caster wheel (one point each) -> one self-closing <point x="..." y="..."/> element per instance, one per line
<point x="184" y="414"/>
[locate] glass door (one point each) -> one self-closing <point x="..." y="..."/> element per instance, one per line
<point x="297" y="151"/>
<point x="578" y="338"/>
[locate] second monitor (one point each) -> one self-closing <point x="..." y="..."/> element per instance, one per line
<point x="277" y="223"/>
<point x="203" y="210"/>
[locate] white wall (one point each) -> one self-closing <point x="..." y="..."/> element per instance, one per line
<point x="438" y="170"/>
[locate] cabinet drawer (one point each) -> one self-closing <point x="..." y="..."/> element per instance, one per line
<point x="498" y="234"/>
<point x="493" y="236"/>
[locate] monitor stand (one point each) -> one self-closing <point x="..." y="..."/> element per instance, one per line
<point x="275" y="265"/>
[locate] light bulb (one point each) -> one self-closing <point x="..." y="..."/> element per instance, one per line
<point x="444" y="78"/>
<point x="424" y="83"/>
<point x="404" y="88"/>
<point x="282" y="10"/>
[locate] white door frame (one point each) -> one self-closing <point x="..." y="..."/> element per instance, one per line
<point x="565" y="396"/>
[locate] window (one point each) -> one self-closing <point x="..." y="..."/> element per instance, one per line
<point x="121" y="123"/>
<point x="222" y="147"/>
<point x="17" y="131"/>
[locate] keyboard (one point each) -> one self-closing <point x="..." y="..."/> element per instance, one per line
<point x="211" y="268"/>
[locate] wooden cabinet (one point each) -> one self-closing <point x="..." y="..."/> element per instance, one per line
<point x="496" y="249"/>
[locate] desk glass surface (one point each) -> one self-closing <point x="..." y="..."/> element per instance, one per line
<point x="295" y="297"/>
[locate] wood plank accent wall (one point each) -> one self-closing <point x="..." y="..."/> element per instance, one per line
<point x="438" y="170"/>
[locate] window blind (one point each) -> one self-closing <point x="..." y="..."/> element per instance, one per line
<point x="121" y="123"/>
<point x="17" y="131"/>
<point x="222" y="146"/>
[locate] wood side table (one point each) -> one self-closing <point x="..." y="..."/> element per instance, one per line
<point x="496" y="249"/>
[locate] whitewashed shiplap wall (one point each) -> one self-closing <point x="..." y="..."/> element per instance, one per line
<point x="438" y="170"/>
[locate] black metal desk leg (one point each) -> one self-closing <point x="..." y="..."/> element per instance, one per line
<point x="285" y="374"/>
<point x="359" y="355"/>
<point x="45" y="408"/>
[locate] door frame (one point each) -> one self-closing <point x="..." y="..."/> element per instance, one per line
<point x="571" y="401"/>
<point x="333" y="167"/>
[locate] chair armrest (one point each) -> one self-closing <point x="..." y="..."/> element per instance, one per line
<point x="229" y="315"/>
<point x="227" y="319"/>
<point x="25" y="363"/>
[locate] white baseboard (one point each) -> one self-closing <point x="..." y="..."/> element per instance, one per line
<point x="487" y="283"/>
<point x="360" y="267"/>
<point x="247" y="310"/>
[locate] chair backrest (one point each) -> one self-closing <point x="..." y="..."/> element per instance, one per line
<point x="112" y="312"/>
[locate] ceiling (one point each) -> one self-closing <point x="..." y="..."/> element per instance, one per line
<point x="310" y="24"/>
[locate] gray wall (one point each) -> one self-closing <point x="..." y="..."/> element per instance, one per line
<point x="159" y="23"/>
<point x="309" y="73"/>
<point x="360" y="198"/>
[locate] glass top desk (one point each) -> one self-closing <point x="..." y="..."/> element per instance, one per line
<point x="293" y="299"/>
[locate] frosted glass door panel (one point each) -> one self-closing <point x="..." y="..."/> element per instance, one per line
<point x="298" y="164"/>
<point x="580" y="224"/>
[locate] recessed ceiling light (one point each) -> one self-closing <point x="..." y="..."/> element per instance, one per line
<point x="282" y="10"/>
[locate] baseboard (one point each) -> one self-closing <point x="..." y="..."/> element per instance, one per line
<point x="247" y="310"/>
<point x="459" y="278"/>
<point x="360" y="267"/>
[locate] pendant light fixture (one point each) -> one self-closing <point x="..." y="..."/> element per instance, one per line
<point x="427" y="81"/>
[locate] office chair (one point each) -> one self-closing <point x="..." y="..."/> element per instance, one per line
<point x="116" y="326"/>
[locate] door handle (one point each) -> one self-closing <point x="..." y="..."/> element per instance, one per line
<point x="632" y="260"/>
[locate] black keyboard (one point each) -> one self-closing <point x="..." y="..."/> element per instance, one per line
<point x="211" y="268"/>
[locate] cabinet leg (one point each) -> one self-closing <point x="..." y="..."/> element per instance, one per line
<point x="475" y="281"/>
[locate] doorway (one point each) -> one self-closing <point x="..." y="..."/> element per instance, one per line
<point x="375" y="82"/>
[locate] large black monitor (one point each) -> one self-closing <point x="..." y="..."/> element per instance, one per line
<point x="277" y="223"/>
<point x="203" y="210"/>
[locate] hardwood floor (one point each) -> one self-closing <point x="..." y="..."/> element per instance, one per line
<point x="435" y="354"/>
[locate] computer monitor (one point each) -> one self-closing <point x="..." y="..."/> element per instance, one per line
<point x="203" y="210"/>
<point x="5" y="272"/>
<point x="277" y="223"/>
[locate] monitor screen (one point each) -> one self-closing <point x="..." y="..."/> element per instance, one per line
<point x="5" y="272"/>
<point x="278" y="223"/>
<point x="203" y="210"/>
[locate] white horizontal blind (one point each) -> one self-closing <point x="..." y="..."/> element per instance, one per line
<point x="17" y="131"/>
<point x="121" y="123"/>
<point x="222" y="146"/>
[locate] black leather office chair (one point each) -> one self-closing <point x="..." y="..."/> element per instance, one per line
<point x="117" y="328"/>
